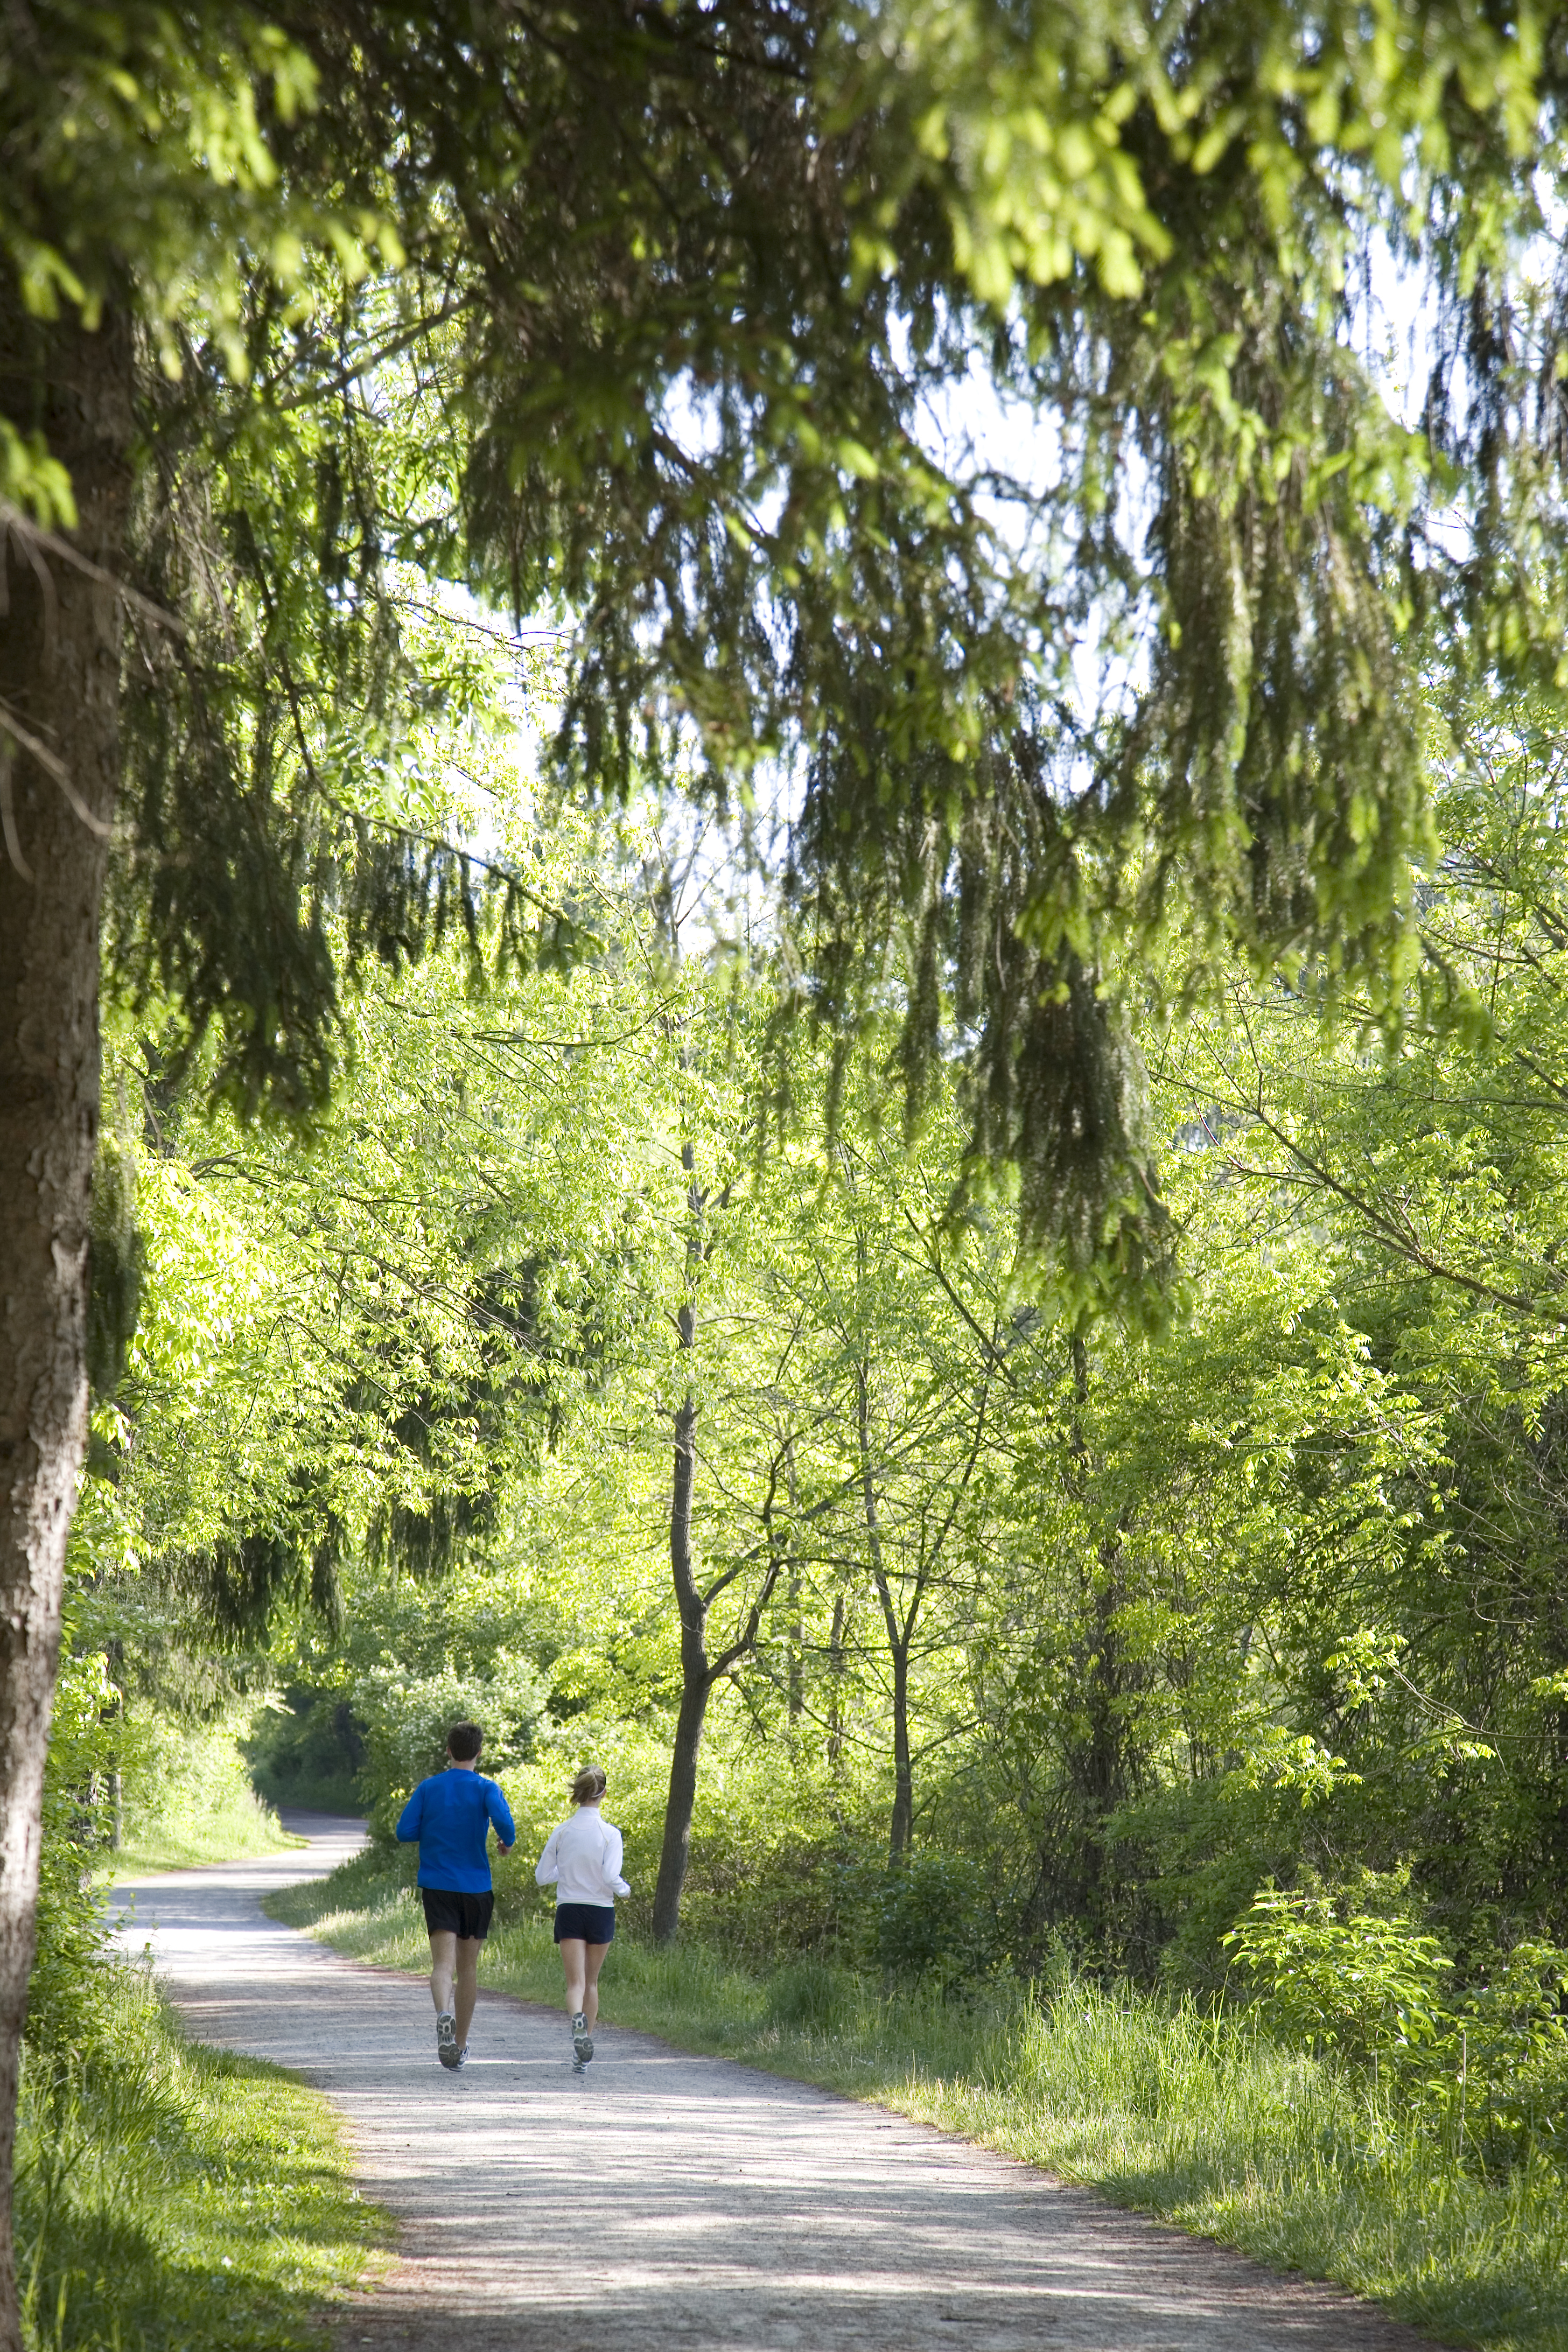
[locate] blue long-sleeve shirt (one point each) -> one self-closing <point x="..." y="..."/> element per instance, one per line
<point x="450" y="1815"/>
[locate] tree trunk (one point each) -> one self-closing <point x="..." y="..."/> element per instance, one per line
<point x="696" y="1680"/>
<point x="675" y="1851"/>
<point x="836" y="1686"/>
<point x="59" y="683"/>
<point x="900" y="1829"/>
<point x="795" y="1629"/>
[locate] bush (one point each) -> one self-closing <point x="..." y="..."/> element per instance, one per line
<point x="188" y="1795"/>
<point x="935" y="1924"/>
<point x="1360" y="1983"/>
<point x="407" y="1719"/>
<point x="68" y="1989"/>
<point x="774" y="1869"/>
<point x="309" y="1750"/>
<point x="1485" y="2071"/>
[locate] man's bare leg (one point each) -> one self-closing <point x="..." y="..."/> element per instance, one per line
<point x="443" y="1962"/>
<point x="466" y="1986"/>
<point x="455" y="1978"/>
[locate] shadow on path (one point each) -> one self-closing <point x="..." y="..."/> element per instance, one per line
<point x="671" y="2203"/>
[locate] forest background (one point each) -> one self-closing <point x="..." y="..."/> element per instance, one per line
<point x="1029" y="1633"/>
<point x="902" y="1174"/>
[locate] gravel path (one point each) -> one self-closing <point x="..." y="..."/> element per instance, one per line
<point x="666" y="2203"/>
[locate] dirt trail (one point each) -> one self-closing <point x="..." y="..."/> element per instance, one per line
<point x="666" y="2203"/>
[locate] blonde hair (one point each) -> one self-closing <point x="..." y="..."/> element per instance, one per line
<point x="589" y="1785"/>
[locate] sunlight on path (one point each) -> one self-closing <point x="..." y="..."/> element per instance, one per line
<point x="664" y="2200"/>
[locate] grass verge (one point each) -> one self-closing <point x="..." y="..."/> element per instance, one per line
<point x="142" y="1857"/>
<point x="184" y="1838"/>
<point x="1200" y="2121"/>
<point x="170" y="2195"/>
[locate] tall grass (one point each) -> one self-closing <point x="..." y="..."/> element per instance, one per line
<point x="189" y="1800"/>
<point x="169" y="2196"/>
<point x="1201" y="2120"/>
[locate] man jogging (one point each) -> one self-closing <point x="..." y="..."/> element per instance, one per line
<point x="450" y="1816"/>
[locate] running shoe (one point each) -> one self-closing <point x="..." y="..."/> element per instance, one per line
<point x="446" y="2039"/>
<point x="582" y="2040"/>
<point x="462" y="2057"/>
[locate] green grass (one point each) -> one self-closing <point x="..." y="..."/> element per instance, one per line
<point x="169" y="2196"/>
<point x="1201" y="2121"/>
<point x="189" y="1850"/>
<point x="184" y="1839"/>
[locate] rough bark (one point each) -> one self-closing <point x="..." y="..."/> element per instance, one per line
<point x="59" y="683"/>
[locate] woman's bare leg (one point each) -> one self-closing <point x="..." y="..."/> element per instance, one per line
<point x="593" y="1960"/>
<point x="574" y="1960"/>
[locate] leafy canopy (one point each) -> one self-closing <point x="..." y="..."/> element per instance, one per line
<point x="960" y="407"/>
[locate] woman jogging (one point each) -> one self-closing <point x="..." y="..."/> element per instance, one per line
<point x="583" y="1863"/>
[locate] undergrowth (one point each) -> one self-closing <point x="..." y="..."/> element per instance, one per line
<point x="169" y="2196"/>
<point x="1200" y="2119"/>
<point x="190" y="1802"/>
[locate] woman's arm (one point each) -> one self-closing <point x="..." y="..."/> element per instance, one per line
<point x="547" y="1869"/>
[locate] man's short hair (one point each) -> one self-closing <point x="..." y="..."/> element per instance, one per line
<point x="464" y="1742"/>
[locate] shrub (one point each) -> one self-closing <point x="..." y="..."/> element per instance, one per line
<point x="407" y="1719"/>
<point x="1487" y="2071"/>
<point x="308" y="1748"/>
<point x="935" y="1924"/>
<point x="188" y="1791"/>
<point x="774" y="1870"/>
<point x="67" y="1990"/>
<point x="1361" y="1984"/>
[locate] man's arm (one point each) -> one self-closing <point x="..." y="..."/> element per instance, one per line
<point x="408" y="1820"/>
<point x="500" y="1817"/>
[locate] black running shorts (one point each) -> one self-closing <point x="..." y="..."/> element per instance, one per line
<point x="594" y="1922"/>
<point x="465" y="1916"/>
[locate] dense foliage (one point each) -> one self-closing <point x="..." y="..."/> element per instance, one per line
<point x="1096" y="1636"/>
<point x="877" y="816"/>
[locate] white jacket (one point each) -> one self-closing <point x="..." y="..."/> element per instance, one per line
<point x="583" y="1859"/>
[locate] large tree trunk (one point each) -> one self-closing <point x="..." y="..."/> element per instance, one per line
<point x="59" y="683"/>
<point x="696" y="1681"/>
